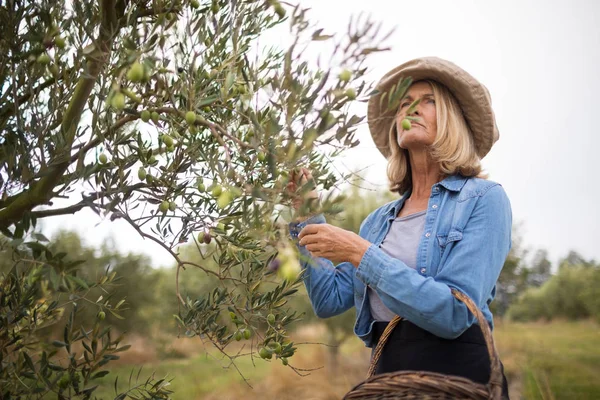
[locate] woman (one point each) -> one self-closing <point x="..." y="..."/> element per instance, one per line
<point x="451" y="228"/>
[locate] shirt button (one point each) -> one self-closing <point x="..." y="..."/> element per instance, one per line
<point x="427" y="234"/>
<point x="434" y="206"/>
<point x="436" y="189"/>
<point x="423" y="270"/>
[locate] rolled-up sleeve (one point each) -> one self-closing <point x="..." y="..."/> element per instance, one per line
<point x="330" y="288"/>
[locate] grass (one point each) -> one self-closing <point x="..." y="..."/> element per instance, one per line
<point x="191" y="377"/>
<point x="548" y="361"/>
<point x="557" y="360"/>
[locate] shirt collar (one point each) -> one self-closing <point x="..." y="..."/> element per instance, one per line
<point x="453" y="183"/>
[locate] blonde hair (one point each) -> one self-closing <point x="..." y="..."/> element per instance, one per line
<point x="453" y="147"/>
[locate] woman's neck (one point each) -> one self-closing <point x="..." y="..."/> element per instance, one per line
<point x="425" y="173"/>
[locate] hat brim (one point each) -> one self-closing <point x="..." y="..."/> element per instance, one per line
<point x="473" y="98"/>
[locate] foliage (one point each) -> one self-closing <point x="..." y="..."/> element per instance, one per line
<point x="179" y="118"/>
<point x="572" y="293"/>
<point x="35" y="293"/>
<point x="519" y="273"/>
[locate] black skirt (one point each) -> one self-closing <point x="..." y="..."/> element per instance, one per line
<point x="410" y="348"/>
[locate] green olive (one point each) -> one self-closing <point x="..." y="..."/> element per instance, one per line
<point x="136" y="72"/>
<point x="43" y="59"/>
<point x="118" y="101"/>
<point x="345" y="75"/>
<point x="275" y="347"/>
<point x="190" y="117"/>
<point x="145" y="115"/>
<point x="224" y="199"/>
<point x="164" y="206"/>
<point x="167" y="140"/>
<point x="217" y="190"/>
<point x="265" y="354"/>
<point x="59" y="42"/>
<point x="406" y="125"/>
<point x="279" y="10"/>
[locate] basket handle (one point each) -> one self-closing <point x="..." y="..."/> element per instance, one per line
<point x="495" y="371"/>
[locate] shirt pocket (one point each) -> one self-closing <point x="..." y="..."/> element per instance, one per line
<point x="445" y="240"/>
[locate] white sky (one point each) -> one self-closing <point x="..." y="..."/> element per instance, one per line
<point x="541" y="62"/>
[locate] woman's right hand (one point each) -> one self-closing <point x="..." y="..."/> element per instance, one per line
<point x="298" y="178"/>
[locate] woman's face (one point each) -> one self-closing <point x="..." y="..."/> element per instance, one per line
<point x="423" y="131"/>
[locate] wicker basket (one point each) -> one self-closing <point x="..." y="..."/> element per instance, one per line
<point x="430" y="385"/>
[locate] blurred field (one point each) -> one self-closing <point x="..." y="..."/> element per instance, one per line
<point x="555" y="360"/>
<point x="558" y="360"/>
<point x="194" y="370"/>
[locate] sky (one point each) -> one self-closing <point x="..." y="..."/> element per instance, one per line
<point x="540" y="61"/>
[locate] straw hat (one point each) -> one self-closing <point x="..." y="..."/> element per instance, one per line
<point x="473" y="98"/>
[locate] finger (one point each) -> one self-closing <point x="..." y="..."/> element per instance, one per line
<point x="308" y="240"/>
<point x="308" y="230"/>
<point x="307" y="173"/>
<point x="313" y="249"/>
<point x="303" y="179"/>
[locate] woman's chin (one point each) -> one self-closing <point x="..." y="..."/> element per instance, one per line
<point x="414" y="145"/>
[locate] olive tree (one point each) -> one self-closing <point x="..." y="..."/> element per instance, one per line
<point x="183" y="119"/>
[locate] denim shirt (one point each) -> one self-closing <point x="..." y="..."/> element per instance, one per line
<point x="466" y="239"/>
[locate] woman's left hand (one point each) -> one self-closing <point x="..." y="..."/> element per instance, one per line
<point x="333" y="243"/>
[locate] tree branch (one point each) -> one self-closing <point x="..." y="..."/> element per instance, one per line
<point x="41" y="191"/>
<point x="86" y="202"/>
<point x="9" y="109"/>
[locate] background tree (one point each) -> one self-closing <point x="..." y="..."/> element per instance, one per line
<point x="513" y="279"/>
<point x="540" y="269"/>
<point x="572" y="294"/>
<point x="177" y="118"/>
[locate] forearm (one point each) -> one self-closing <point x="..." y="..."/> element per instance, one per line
<point x="329" y="288"/>
<point x="423" y="300"/>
